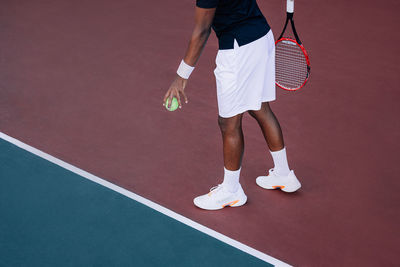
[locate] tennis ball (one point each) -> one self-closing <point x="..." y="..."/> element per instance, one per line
<point x="174" y="104"/>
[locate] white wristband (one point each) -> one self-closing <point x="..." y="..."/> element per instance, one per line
<point x="184" y="70"/>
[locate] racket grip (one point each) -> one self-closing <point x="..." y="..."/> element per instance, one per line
<point x="290" y="6"/>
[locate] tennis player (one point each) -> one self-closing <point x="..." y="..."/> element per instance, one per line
<point x="245" y="79"/>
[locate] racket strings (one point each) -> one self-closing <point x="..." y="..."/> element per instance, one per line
<point x="290" y="64"/>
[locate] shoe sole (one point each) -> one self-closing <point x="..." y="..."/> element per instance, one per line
<point x="290" y="189"/>
<point x="234" y="204"/>
<point x="287" y="189"/>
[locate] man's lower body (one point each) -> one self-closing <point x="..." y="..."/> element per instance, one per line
<point x="246" y="83"/>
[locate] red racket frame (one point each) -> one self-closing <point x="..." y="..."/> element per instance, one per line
<point x="307" y="60"/>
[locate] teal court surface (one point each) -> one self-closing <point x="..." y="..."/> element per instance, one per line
<point x="51" y="216"/>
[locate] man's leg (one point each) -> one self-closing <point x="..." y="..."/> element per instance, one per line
<point x="269" y="126"/>
<point x="273" y="135"/>
<point x="233" y="147"/>
<point x="230" y="193"/>
<point x="233" y="141"/>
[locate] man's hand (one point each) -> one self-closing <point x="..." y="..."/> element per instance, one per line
<point x="176" y="89"/>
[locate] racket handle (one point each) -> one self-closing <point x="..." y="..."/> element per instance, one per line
<point x="290" y="6"/>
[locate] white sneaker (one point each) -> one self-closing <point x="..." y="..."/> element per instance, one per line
<point x="219" y="197"/>
<point x="273" y="181"/>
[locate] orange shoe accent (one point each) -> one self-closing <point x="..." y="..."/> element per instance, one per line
<point x="231" y="203"/>
<point x="278" y="186"/>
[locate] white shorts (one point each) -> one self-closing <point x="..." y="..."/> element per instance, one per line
<point x="245" y="76"/>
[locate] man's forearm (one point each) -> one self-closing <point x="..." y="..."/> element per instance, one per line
<point x="196" y="45"/>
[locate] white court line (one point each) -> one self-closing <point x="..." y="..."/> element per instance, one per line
<point x="148" y="203"/>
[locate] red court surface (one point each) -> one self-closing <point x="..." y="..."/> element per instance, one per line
<point x="84" y="81"/>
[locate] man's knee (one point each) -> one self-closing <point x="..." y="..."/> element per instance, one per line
<point x="230" y="124"/>
<point x="264" y="110"/>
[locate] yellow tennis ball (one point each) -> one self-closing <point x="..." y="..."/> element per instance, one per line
<point x="174" y="104"/>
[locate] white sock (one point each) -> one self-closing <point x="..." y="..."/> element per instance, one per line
<point x="231" y="180"/>
<point x="281" y="166"/>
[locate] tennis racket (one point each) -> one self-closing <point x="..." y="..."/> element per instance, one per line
<point x="291" y="60"/>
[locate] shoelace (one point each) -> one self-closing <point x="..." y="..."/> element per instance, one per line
<point x="215" y="189"/>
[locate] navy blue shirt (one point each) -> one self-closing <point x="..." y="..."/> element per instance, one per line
<point x="236" y="19"/>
